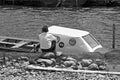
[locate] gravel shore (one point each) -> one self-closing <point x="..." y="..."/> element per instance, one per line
<point x="13" y="73"/>
<point x="15" y="69"/>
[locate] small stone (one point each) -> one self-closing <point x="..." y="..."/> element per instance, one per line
<point x="102" y="67"/>
<point x="42" y="65"/>
<point x="32" y="62"/>
<point x="63" y="58"/>
<point x="24" y="64"/>
<point x="79" y="66"/>
<point x="100" y="76"/>
<point x="24" y="58"/>
<point x="14" y="60"/>
<point x="58" y="54"/>
<point x="57" y="66"/>
<point x="85" y="68"/>
<point x="99" y="62"/>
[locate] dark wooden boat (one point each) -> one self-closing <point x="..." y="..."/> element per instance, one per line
<point x="17" y="44"/>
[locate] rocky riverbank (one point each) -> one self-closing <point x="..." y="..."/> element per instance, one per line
<point x="16" y="69"/>
<point x="60" y="60"/>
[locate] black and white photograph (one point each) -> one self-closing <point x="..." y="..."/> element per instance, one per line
<point x="59" y="39"/>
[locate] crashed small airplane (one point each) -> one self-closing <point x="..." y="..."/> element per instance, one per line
<point x="69" y="41"/>
<point x="73" y="40"/>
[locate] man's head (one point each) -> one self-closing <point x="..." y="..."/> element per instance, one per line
<point x="45" y="29"/>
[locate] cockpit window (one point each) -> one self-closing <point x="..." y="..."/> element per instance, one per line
<point x="91" y="40"/>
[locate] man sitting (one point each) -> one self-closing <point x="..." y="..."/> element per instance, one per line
<point x="47" y="41"/>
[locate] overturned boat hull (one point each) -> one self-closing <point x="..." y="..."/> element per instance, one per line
<point x="17" y="44"/>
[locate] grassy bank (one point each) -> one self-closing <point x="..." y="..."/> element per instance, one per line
<point x="61" y="3"/>
<point x="107" y="3"/>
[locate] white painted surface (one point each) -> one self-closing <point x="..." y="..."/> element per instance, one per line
<point x="67" y="31"/>
<point x="65" y="34"/>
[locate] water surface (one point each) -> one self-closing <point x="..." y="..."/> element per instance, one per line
<point x="26" y="22"/>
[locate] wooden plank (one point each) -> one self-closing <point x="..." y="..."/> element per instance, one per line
<point x="17" y="46"/>
<point x="5" y="37"/>
<point x="2" y="39"/>
<point x="20" y="44"/>
<point x="7" y="43"/>
<point x="32" y="67"/>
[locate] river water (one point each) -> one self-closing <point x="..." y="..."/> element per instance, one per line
<point x="26" y="22"/>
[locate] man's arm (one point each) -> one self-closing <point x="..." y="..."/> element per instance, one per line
<point x="52" y="38"/>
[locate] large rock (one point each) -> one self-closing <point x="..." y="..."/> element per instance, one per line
<point x="69" y="63"/>
<point x="86" y="62"/>
<point x="100" y="62"/>
<point x="47" y="62"/>
<point x="102" y="67"/>
<point x="71" y="59"/>
<point x="93" y="66"/>
<point x="48" y="55"/>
